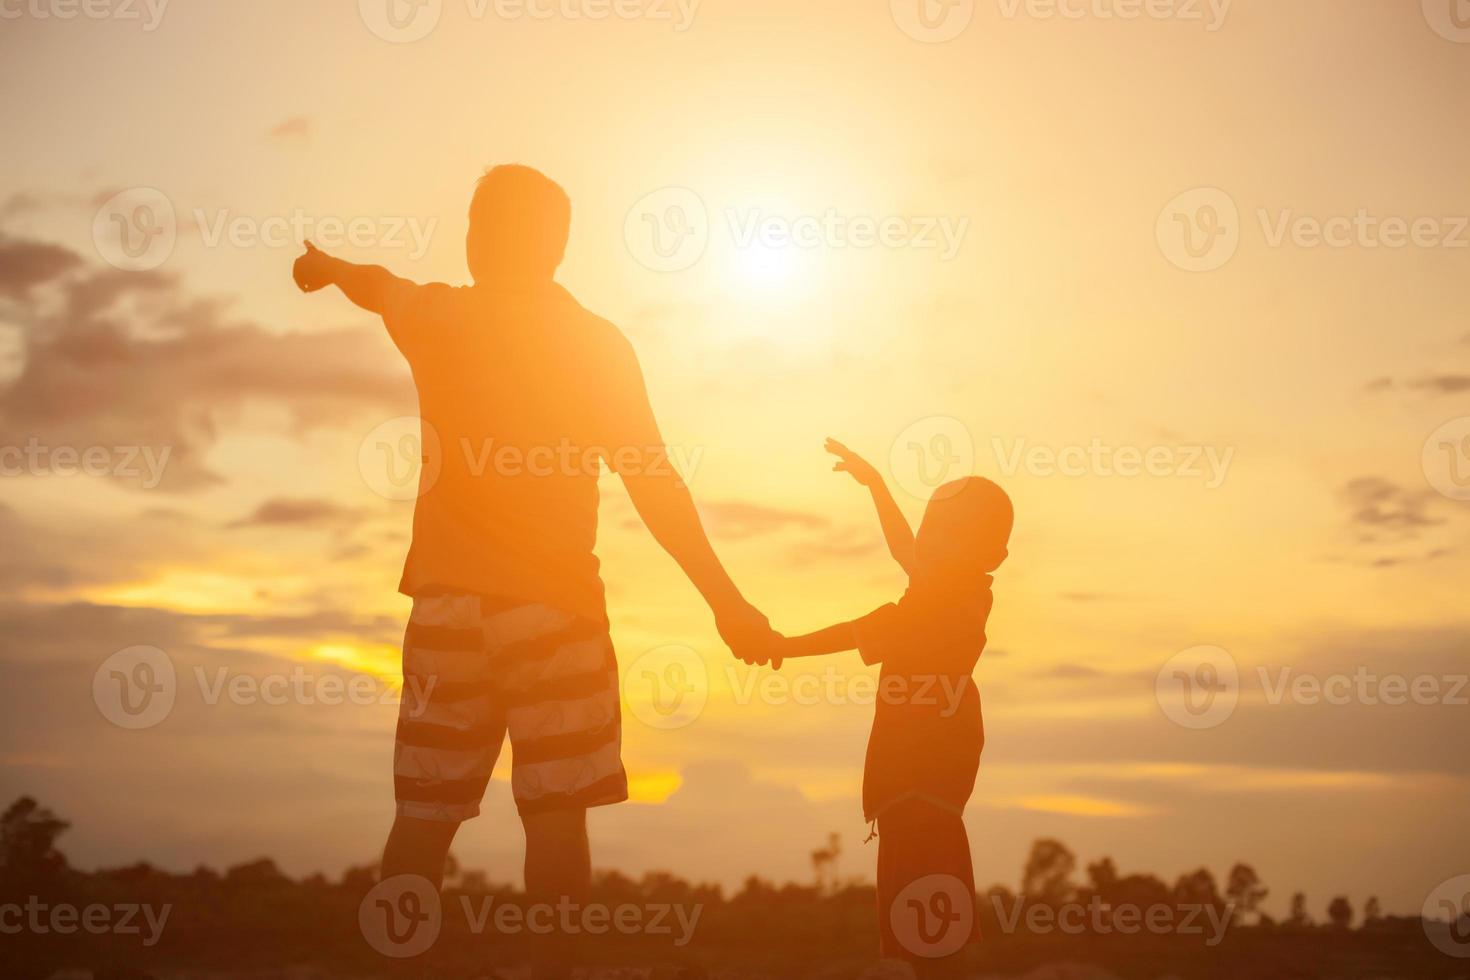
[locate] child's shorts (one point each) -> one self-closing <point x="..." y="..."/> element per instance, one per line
<point x="475" y="669"/>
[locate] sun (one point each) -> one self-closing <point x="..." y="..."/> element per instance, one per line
<point x="766" y="267"/>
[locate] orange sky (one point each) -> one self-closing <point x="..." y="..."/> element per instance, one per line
<point x="1029" y="298"/>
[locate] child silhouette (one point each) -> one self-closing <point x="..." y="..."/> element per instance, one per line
<point x="924" y="750"/>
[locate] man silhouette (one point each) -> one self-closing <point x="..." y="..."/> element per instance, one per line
<point x="527" y="395"/>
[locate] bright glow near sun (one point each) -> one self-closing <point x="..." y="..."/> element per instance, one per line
<point x="766" y="267"/>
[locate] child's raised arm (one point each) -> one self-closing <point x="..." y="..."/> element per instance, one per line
<point x="896" y="530"/>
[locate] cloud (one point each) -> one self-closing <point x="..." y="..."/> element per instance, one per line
<point x="1377" y="504"/>
<point x="1443" y="384"/>
<point x="740" y="519"/>
<point x="64" y="554"/>
<point x="1095" y="597"/>
<point x="1068" y="672"/>
<point x="834" y="547"/>
<point x="299" y="512"/>
<point x="119" y="359"/>
<point x="26" y="264"/>
<point x="295" y="129"/>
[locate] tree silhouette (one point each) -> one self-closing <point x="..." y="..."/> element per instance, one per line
<point x="31" y="868"/>
<point x="259" y="920"/>
<point x="824" y="862"/>
<point x="28" y="853"/>
<point x="1245" y="891"/>
<point x="1103" y="876"/>
<point x="1048" y="872"/>
<point x="1198" y="888"/>
<point x="1299" y="918"/>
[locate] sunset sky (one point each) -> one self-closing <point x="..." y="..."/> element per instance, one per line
<point x="1304" y="404"/>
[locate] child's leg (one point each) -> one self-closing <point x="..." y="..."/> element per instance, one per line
<point x="926" y="888"/>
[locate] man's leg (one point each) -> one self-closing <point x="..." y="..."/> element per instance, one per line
<point x="559" y="875"/>
<point x="418" y="847"/>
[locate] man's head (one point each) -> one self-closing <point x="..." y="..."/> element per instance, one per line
<point x="519" y="223"/>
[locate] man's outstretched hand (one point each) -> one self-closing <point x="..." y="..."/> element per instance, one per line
<point x="748" y="634"/>
<point x="313" y="271"/>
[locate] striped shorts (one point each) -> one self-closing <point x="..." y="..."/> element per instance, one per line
<point x="475" y="669"/>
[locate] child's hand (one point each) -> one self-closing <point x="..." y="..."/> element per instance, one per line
<point x="313" y="270"/>
<point x="850" y="462"/>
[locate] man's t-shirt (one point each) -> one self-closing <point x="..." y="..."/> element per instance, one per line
<point x="928" y="732"/>
<point x="523" y="396"/>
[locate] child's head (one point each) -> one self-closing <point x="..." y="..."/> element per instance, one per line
<point x="964" y="532"/>
<point x="519" y="223"/>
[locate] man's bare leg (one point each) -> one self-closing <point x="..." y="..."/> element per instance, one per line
<point x="418" y="847"/>
<point x="558" y="872"/>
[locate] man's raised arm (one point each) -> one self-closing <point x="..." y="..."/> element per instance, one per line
<point x="371" y="287"/>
